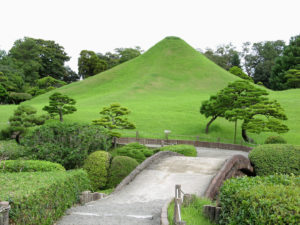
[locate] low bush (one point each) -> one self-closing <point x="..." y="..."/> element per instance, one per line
<point x="41" y="198"/>
<point x="187" y="150"/>
<point x="261" y="200"/>
<point x="10" y="150"/>
<point x="17" y="98"/>
<point x="121" y="167"/>
<point x="275" y="140"/>
<point x="97" y="165"/>
<point x="29" y="166"/>
<point x="136" y="151"/>
<point x="68" y="144"/>
<point x="272" y="159"/>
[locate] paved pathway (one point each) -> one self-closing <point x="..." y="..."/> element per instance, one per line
<point x="140" y="202"/>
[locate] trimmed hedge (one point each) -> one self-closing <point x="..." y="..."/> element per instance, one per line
<point x="275" y="140"/>
<point x="187" y="150"/>
<point x="29" y="166"/>
<point x="261" y="200"/>
<point x="97" y="165"/>
<point x="121" y="166"/>
<point x="271" y="159"/>
<point x="41" y="198"/>
<point x="136" y="151"/>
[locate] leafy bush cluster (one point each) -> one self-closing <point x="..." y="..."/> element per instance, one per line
<point x="121" y="167"/>
<point x="45" y="201"/>
<point x="136" y="151"/>
<point x="187" y="150"/>
<point x="97" y="165"/>
<point x="275" y="140"/>
<point x="10" y="150"/>
<point x="272" y="159"/>
<point x="29" y="166"/>
<point x="68" y="144"/>
<point x="261" y="200"/>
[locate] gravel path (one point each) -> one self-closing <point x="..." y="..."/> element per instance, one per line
<point x="140" y="202"/>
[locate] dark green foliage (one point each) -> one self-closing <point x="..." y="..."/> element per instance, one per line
<point x="90" y="64"/>
<point x="260" y="59"/>
<point x="114" y="117"/>
<point x="187" y="150"/>
<point x="23" y="118"/>
<point x="276" y="158"/>
<point x="41" y="198"/>
<point x="293" y="78"/>
<point x="121" y="167"/>
<point x="10" y="150"/>
<point x="261" y="200"/>
<point x="29" y="166"/>
<point x="126" y="54"/>
<point x="17" y="98"/>
<point x="239" y="72"/>
<point x="4" y="96"/>
<point x="97" y="165"/>
<point x="275" y="140"/>
<point x="290" y="59"/>
<point x="60" y="104"/>
<point x="65" y="143"/>
<point x="136" y="151"/>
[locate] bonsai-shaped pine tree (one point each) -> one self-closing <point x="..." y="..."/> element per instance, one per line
<point x="23" y="118"/>
<point x="114" y="117"/>
<point x="60" y="104"/>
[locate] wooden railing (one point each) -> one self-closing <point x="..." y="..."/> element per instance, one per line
<point x="178" y="200"/>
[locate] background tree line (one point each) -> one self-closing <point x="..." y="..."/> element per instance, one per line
<point x="34" y="66"/>
<point x="274" y="64"/>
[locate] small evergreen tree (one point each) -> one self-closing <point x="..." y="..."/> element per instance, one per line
<point x="60" y="104"/>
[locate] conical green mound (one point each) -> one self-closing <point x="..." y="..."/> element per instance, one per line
<point x="164" y="88"/>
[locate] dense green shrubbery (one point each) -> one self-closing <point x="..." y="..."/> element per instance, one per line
<point x="275" y="140"/>
<point x="10" y="150"/>
<point x="187" y="150"/>
<point x="261" y="200"/>
<point x="121" y="166"/>
<point x="29" y="166"/>
<point x="272" y="159"/>
<point x="135" y="151"/>
<point x="65" y="143"/>
<point x="17" y="98"/>
<point x="41" y="198"/>
<point x="97" y="165"/>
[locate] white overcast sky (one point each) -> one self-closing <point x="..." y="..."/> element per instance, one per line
<point x="103" y="25"/>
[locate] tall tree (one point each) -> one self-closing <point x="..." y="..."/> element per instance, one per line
<point x="293" y="78"/>
<point x="289" y="60"/>
<point x="260" y="59"/>
<point x="126" y="54"/>
<point x="60" y="104"/>
<point x="90" y="64"/>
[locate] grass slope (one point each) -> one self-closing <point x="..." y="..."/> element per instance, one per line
<point x="164" y="89"/>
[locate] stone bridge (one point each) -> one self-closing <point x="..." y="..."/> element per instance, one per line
<point x="139" y="198"/>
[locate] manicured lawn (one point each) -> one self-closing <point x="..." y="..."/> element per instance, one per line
<point x="164" y="89"/>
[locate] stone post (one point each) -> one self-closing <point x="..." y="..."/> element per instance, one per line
<point x="4" y="213"/>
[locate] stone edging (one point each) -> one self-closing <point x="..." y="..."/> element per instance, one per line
<point x="143" y="166"/>
<point x="4" y="213"/>
<point x="237" y="165"/>
<point x="164" y="212"/>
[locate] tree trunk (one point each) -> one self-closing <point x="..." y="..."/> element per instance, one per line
<point x="244" y="135"/>
<point x="61" y="117"/>
<point x="18" y="135"/>
<point x="209" y="123"/>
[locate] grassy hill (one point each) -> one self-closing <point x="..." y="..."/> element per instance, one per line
<point x="164" y="89"/>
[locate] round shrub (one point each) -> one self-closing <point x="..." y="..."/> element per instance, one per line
<point x="10" y="150"/>
<point x="135" y="151"/>
<point x="272" y="159"/>
<point x="29" y="166"/>
<point x="275" y="140"/>
<point x="120" y="167"/>
<point x="187" y="150"/>
<point x="97" y="165"/>
<point x="260" y="200"/>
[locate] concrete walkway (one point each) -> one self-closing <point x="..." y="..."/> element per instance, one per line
<point x="140" y="202"/>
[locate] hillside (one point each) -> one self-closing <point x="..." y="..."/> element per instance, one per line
<point x="164" y="88"/>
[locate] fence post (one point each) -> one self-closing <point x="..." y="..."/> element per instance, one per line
<point x="4" y="213"/>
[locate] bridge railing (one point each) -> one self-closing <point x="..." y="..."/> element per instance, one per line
<point x="178" y="200"/>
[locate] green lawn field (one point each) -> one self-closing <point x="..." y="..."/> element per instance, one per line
<point x="164" y="88"/>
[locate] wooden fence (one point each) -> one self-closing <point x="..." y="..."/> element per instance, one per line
<point x="161" y="142"/>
